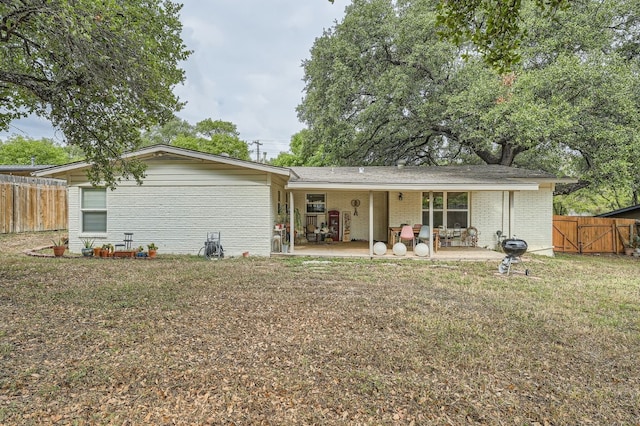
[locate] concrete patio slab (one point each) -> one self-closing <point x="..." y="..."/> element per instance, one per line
<point x="360" y="249"/>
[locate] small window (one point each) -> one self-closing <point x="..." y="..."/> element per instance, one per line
<point x="94" y="210"/>
<point x="316" y="203"/>
<point x="457" y="201"/>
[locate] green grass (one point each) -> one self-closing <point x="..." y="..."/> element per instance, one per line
<point x="289" y="341"/>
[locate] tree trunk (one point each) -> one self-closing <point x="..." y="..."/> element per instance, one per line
<point x="508" y="153"/>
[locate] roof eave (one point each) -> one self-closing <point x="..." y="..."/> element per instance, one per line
<point x="157" y="150"/>
<point x="519" y="186"/>
<point x="563" y="180"/>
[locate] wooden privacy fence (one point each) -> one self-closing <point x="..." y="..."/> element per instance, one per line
<point x="581" y="234"/>
<point x="32" y="204"/>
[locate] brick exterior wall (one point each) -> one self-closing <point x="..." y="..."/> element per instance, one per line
<point x="408" y="210"/>
<point x="489" y="212"/>
<point x="534" y="219"/>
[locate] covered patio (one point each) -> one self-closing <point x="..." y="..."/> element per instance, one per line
<point x="357" y="206"/>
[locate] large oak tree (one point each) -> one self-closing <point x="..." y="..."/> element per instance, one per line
<point x="494" y="27"/>
<point x="99" y="70"/>
<point x="382" y="85"/>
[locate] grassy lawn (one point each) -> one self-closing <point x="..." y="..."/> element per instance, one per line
<point x="179" y="340"/>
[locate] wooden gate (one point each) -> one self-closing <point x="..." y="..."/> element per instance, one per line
<point x="581" y="234"/>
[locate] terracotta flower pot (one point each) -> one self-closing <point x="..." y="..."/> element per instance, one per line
<point x="152" y="253"/>
<point x="58" y="251"/>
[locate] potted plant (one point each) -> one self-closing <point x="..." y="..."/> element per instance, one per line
<point x="107" y="250"/>
<point x="59" y="247"/>
<point x="152" y="249"/>
<point x="141" y="252"/>
<point x="87" y="247"/>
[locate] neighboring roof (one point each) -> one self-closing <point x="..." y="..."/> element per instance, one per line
<point x="20" y="169"/>
<point x="31" y="180"/>
<point x="166" y="150"/>
<point x="464" y="177"/>
<point x="620" y="211"/>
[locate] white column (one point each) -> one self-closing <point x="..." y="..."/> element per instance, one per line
<point x="371" y="223"/>
<point x="292" y="221"/>
<point x="512" y="216"/>
<point x="431" y="227"/>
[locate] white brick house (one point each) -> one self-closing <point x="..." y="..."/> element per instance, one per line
<point x="186" y="194"/>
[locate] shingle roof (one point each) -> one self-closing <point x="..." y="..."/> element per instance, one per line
<point x="166" y="151"/>
<point x="619" y="211"/>
<point x="14" y="168"/>
<point x="413" y="176"/>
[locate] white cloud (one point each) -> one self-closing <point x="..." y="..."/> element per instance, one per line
<point x="246" y="65"/>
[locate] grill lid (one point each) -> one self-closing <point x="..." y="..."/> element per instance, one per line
<point x="514" y="246"/>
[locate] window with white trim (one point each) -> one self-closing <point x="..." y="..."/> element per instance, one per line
<point x="316" y="203"/>
<point x="449" y="209"/>
<point x="94" y="210"/>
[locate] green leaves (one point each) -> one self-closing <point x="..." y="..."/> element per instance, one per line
<point x="494" y="27"/>
<point x="20" y="150"/>
<point x="377" y="80"/>
<point x="98" y="70"/>
<point x="382" y="86"/>
<point x="214" y="137"/>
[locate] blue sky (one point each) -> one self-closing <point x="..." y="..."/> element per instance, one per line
<point x="246" y="66"/>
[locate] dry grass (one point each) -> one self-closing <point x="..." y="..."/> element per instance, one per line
<point x="180" y="340"/>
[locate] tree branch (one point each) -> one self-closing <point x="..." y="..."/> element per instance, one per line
<point x="568" y="188"/>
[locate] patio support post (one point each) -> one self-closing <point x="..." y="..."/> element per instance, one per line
<point x="431" y="227"/>
<point x="292" y="221"/>
<point x="512" y="216"/>
<point x="371" y="224"/>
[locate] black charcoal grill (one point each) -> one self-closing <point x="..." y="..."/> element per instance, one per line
<point x="513" y="248"/>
